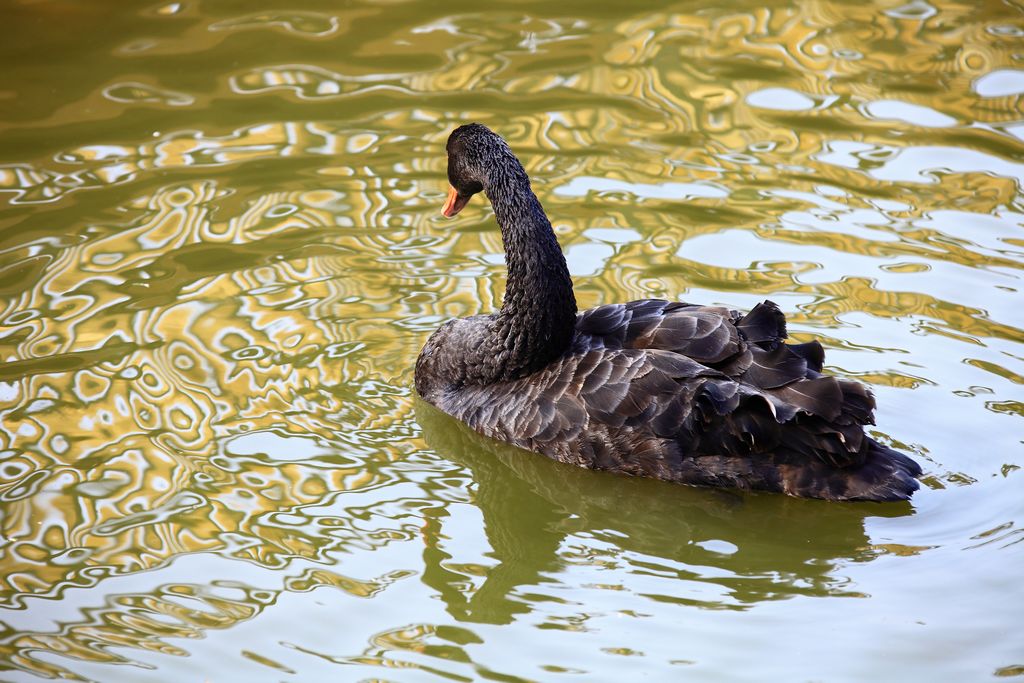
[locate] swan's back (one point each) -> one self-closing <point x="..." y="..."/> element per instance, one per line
<point x="694" y="394"/>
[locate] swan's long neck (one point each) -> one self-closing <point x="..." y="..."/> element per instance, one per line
<point x="538" y="314"/>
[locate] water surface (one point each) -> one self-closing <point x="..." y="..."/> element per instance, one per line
<point x="221" y="250"/>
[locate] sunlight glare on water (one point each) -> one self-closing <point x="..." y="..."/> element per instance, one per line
<point x="221" y="250"/>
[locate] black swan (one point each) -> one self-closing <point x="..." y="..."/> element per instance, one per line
<point x="692" y="394"/>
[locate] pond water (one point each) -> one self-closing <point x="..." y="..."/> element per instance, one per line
<point x="221" y="249"/>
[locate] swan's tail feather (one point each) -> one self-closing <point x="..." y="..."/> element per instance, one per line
<point x="884" y="476"/>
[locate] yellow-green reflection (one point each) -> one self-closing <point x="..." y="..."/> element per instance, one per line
<point x="220" y="253"/>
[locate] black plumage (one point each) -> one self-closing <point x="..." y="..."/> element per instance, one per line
<point x="686" y="393"/>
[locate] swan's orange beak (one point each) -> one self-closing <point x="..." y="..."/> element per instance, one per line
<point x="454" y="203"/>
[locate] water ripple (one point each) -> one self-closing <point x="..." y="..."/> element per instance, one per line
<point x="207" y="355"/>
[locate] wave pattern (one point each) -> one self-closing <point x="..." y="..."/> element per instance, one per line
<point x="220" y="253"/>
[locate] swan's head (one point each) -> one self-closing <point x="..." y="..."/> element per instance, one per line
<point x="476" y="155"/>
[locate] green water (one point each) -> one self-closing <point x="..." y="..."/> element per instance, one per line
<point x="221" y="250"/>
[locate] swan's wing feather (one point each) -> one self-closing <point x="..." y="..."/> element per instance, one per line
<point x="812" y="353"/>
<point x="652" y="386"/>
<point x="763" y="397"/>
<point x="613" y="388"/>
<point x="707" y="334"/>
<point x="821" y="396"/>
<point x="765" y="323"/>
<point x="775" y="368"/>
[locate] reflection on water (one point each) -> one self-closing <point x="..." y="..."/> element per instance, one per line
<point x="750" y="548"/>
<point x="220" y="252"/>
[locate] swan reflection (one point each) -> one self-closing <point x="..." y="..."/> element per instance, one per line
<point x="537" y="513"/>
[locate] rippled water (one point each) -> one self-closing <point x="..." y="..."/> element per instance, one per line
<point x="221" y="249"/>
